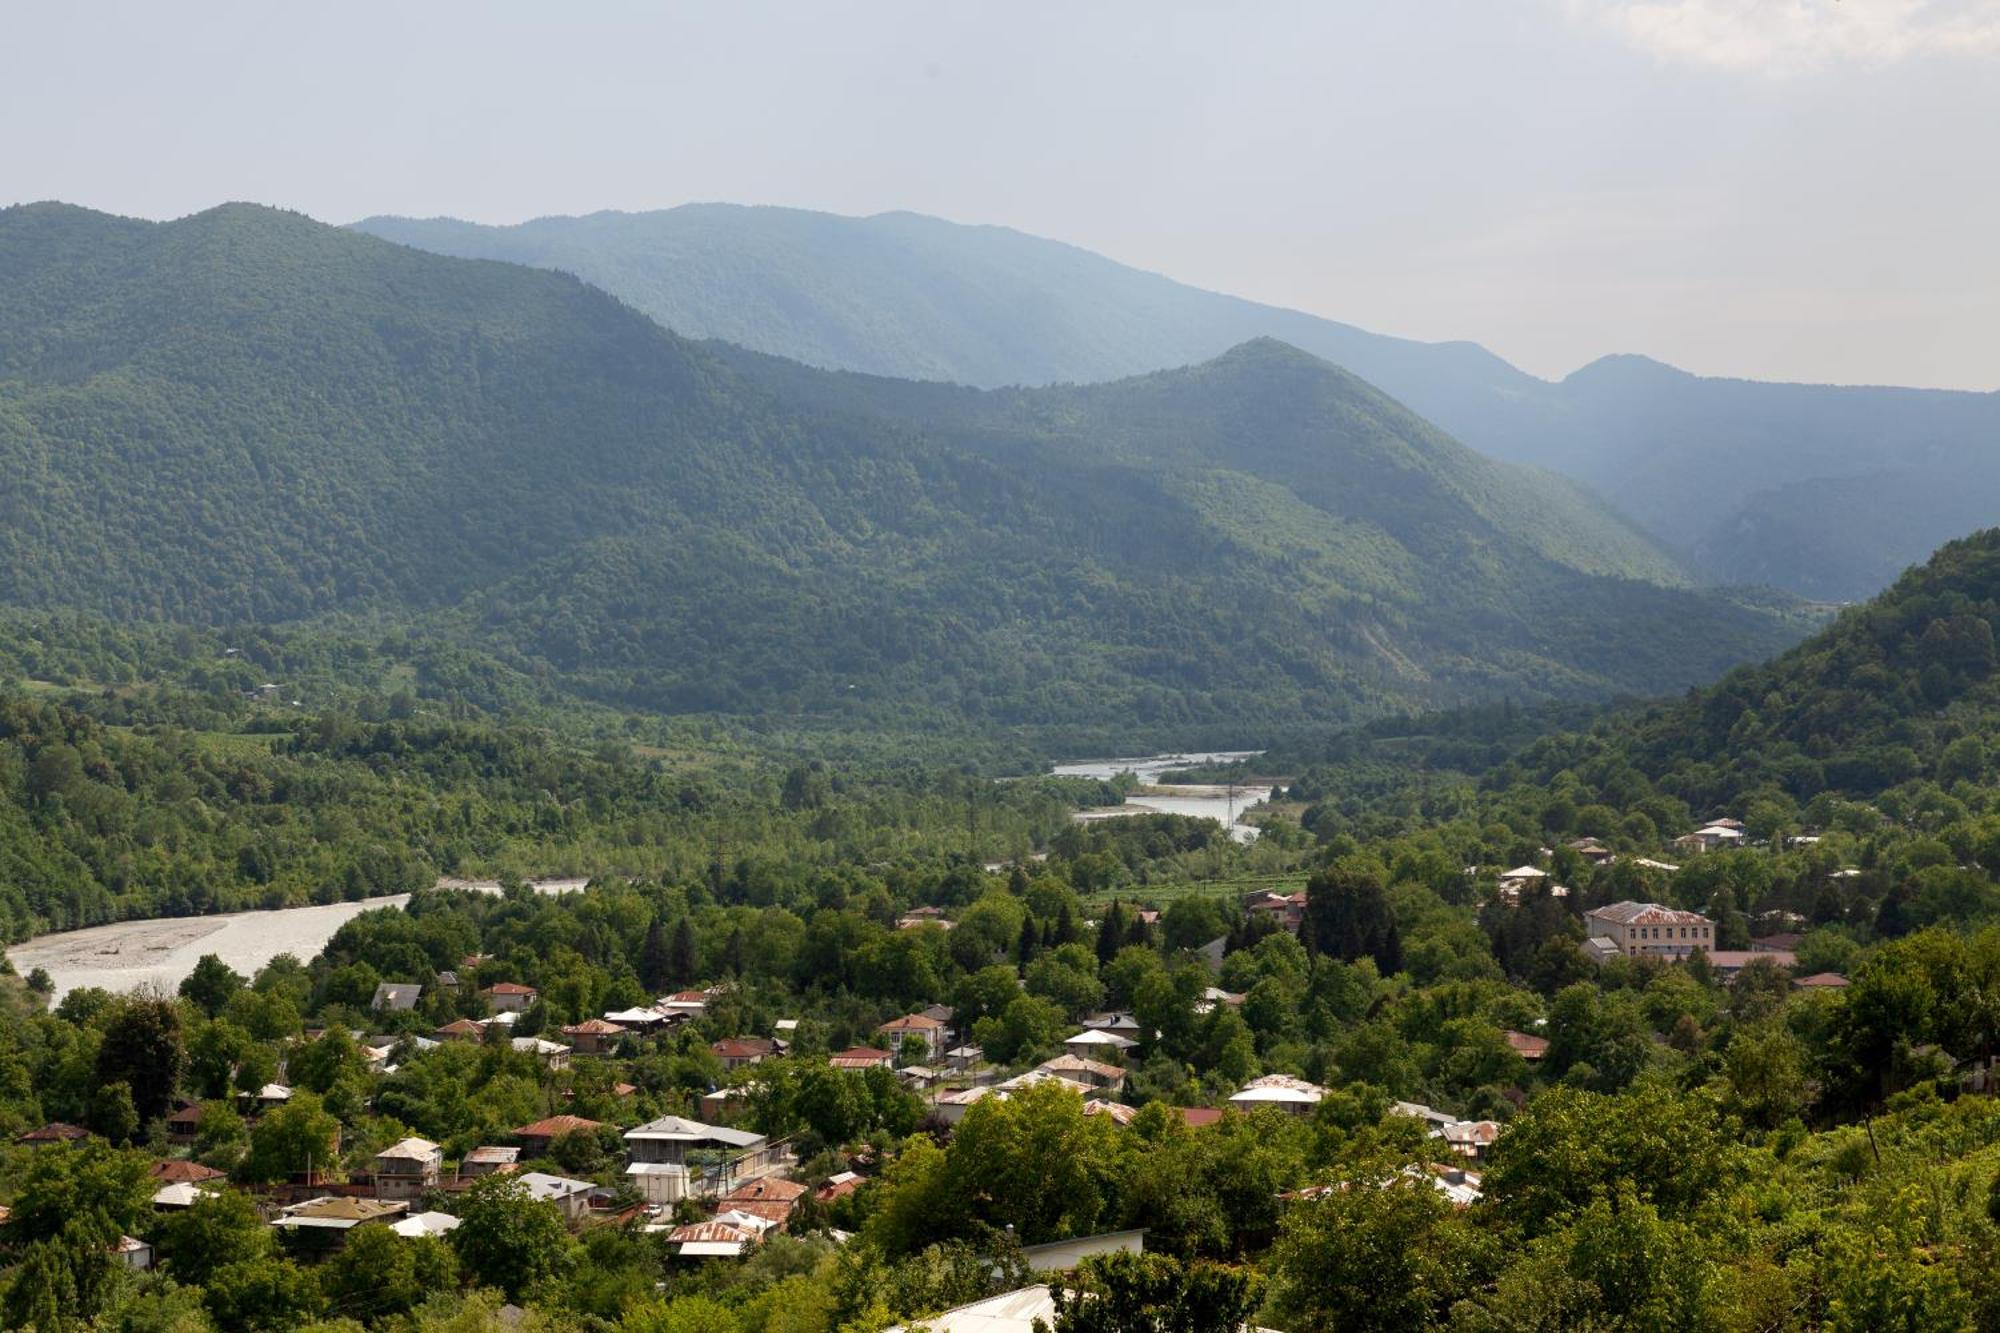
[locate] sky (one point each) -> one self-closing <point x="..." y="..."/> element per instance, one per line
<point x="1775" y="189"/>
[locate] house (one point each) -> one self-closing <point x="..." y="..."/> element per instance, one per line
<point x="724" y="1103"/>
<point x="553" y="1055"/>
<point x="1085" y="1073"/>
<point x="771" y="1198"/>
<point x="737" y="1052"/>
<point x="920" y="1076"/>
<point x="1215" y="995"/>
<point x="637" y="1019"/>
<point x="1198" y="1117"/>
<point x="1634" y="929"/>
<point x="1124" y="1024"/>
<point x="395" y="997"/>
<point x="1593" y="851"/>
<point x="571" y="1196"/>
<point x="963" y="1057"/>
<point x="1822" y="981"/>
<point x="1460" y="1187"/>
<point x="1294" y="1096"/>
<point x="133" y="1253"/>
<point x="1728" y="962"/>
<point x="418" y="1225"/>
<point x="536" y="1138"/>
<point x="1721" y="834"/>
<point x="488" y="1161"/>
<point x="1527" y="1045"/>
<point x="918" y="917"/>
<point x="674" y="1158"/>
<point x="1519" y="878"/>
<point x="1470" y="1138"/>
<point x="715" y="1239"/>
<point x="838" y="1186"/>
<point x="686" y="1004"/>
<point x="862" y="1057"/>
<point x="1120" y="1114"/>
<point x="184" y="1123"/>
<point x="56" y="1131"/>
<point x="448" y="979"/>
<point x="323" y="1223"/>
<point x="1660" y="866"/>
<point x="930" y="1031"/>
<point x="950" y="1107"/>
<point x="1098" y="1042"/>
<point x="1020" y="1311"/>
<point x="593" y="1036"/>
<point x="461" y="1029"/>
<point x="1784" y="941"/>
<point x="508" y="997"/>
<point x="183" y="1194"/>
<point x="1287" y="910"/>
<point x="405" y="1169"/>
<point x="943" y="1013"/>
<point x="1435" y="1120"/>
<point x="177" y="1172"/>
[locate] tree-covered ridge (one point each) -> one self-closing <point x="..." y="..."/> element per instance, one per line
<point x="1900" y="690"/>
<point x="1827" y="491"/>
<point x="247" y="416"/>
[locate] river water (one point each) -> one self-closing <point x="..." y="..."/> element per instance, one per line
<point x="158" y="954"/>
<point x="1202" y="802"/>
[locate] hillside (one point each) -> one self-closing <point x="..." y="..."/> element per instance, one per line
<point x="1904" y="689"/>
<point x="1727" y="473"/>
<point x="248" y="416"/>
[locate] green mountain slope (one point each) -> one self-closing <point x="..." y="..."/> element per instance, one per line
<point x="1714" y="468"/>
<point x="1902" y="689"/>
<point x="246" y="415"/>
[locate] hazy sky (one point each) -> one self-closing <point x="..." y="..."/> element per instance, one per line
<point x="1801" y="189"/>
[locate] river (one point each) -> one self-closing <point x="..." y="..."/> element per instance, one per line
<point x="133" y="955"/>
<point x="1222" y="804"/>
<point x="158" y="953"/>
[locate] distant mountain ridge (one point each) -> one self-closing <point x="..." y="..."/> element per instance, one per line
<point x="249" y="416"/>
<point x="1727" y="473"/>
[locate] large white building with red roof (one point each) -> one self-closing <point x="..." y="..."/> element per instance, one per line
<point x="1636" y="929"/>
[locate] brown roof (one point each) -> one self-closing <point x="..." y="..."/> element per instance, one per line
<point x="184" y="1115"/>
<point x="912" y="1023"/>
<point x="592" y="1027"/>
<point x="842" y="1184"/>
<point x="1197" y="1116"/>
<point x="509" y="988"/>
<point x="460" y="1027"/>
<point x="1527" y="1045"/>
<point x="1120" y="1115"/>
<point x="771" y="1189"/>
<point x="55" y="1132"/>
<point x="743" y="1048"/>
<point x="556" y="1124"/>
<point x="1823" y="980"/>
<point x="709" y="1231"/>
<point x="860" y="1056"/>
<point x="182" y="1173"/>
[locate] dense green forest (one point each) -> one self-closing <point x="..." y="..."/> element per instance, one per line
<point x="1826" y="491"/>
<point x="1694" y="1144"/>
<point x="246" y="417"/>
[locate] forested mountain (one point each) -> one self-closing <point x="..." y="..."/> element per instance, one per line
<point x="1755" y="482"/>
<point x="1902" y="690"/>
<point x="249" y="416"/>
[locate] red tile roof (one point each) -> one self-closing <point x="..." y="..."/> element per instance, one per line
<point x="509" y="988"/>
<point x="182" y="1173"/>
<point x="556" y="1124"/>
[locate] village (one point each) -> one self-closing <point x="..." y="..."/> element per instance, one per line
<point x="713" y="1190"/>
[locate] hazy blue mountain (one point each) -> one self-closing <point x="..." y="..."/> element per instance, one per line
<point x="249" y="416"/>
<point x="1709" y="467"/>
